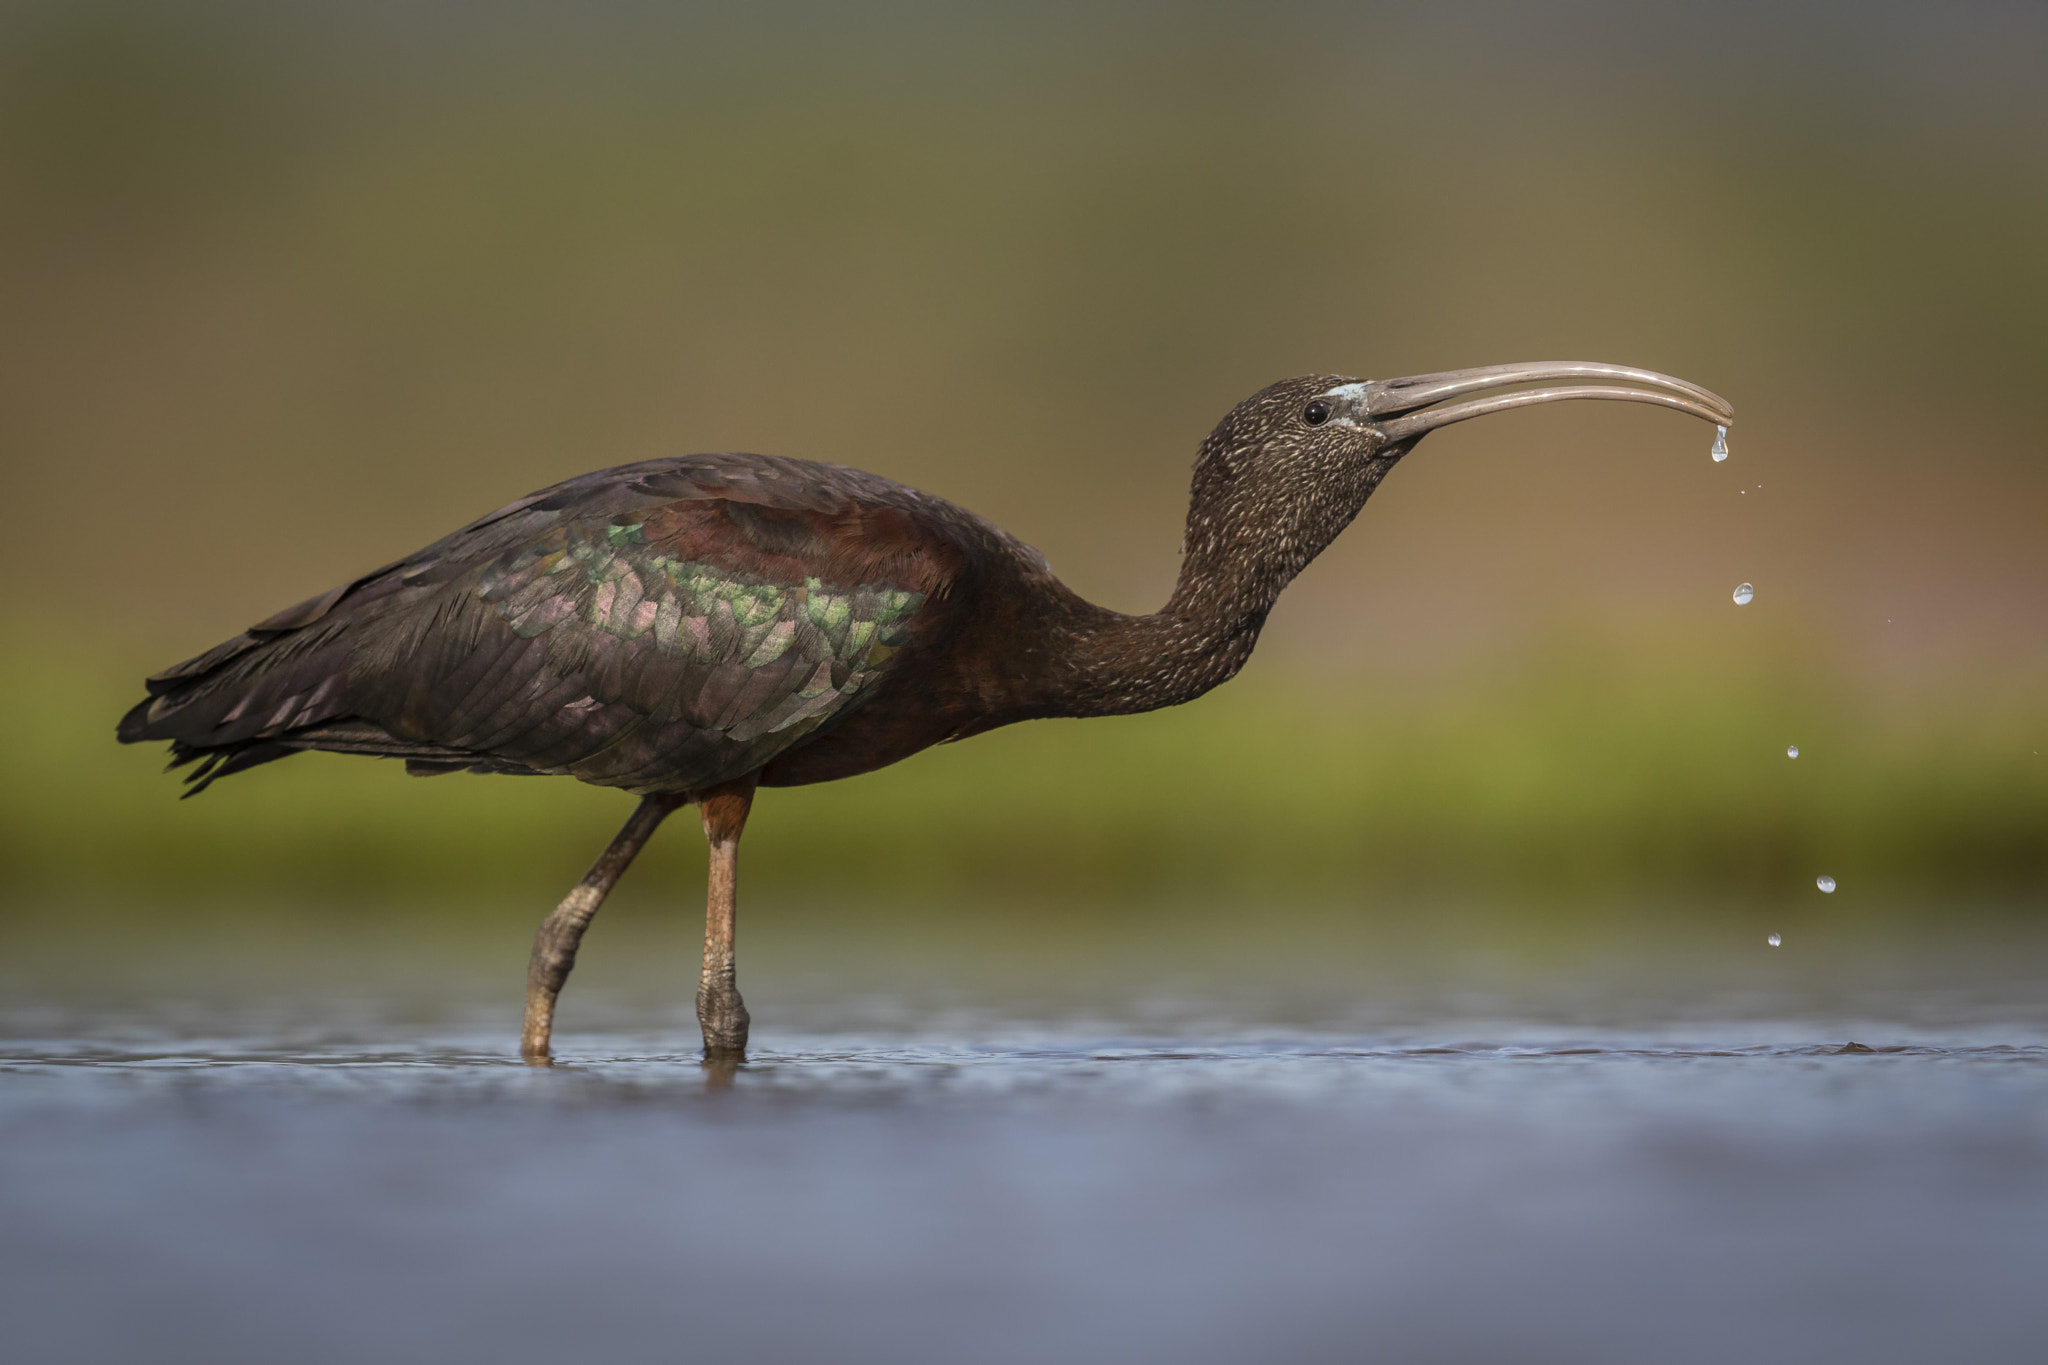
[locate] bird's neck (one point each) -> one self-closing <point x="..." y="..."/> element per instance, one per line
<point x="1118" y="665"/>
<point x="1246" y="540"/>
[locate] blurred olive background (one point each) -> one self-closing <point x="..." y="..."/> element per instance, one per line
<point x="287" y="290"/>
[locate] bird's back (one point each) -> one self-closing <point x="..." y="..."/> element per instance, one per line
<point x="662" y="626"/>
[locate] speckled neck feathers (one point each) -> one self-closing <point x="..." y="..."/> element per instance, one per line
<point x="1265" y="502"/>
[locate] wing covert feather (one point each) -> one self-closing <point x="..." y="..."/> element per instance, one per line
<point x="657" y="627"/>
<point x="683" y="645"/>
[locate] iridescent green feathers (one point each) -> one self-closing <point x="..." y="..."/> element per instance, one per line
<point x="743" y="657"/>
<point x="660" y="627"/>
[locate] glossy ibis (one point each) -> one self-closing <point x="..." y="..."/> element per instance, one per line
<point x="688" y="629"/>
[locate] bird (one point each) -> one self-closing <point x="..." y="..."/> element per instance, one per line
<point x="693" y="628"/>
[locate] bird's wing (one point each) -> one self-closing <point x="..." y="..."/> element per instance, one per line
<point x="661" y="627"/>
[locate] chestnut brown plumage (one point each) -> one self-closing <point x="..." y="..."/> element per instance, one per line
<point x="690" y="629"/>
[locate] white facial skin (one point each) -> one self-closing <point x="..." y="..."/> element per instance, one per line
<point x="1347" y="404"/>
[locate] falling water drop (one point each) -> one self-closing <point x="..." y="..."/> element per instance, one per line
<point x="1774" y="940"/>
<point x="1826" y="884"/>
<point x="1720" y="450"/>
<point x="1791" y="751"/>
<point x="1743" y="593"/>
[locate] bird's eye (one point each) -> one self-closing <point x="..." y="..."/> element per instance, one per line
<point x="1316" y="413"/>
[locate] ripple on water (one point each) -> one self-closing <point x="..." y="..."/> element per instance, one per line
<point x="452" y="1069"/>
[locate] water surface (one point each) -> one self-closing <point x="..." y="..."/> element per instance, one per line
<point x="1578" y="1168"/>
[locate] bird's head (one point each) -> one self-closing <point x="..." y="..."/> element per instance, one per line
<point x="1292" y="465"/>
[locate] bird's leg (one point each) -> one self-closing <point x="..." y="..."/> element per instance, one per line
<point x="554" y="946"/>
<point x="720" y="1010"/>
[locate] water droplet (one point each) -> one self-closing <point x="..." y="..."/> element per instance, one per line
<point x="1720" y="450"/>
<point x="1743" y="593"/>
<point x="1791" y="751"/>
<point x="1826" y="884"/>
<point x="1775" y="939"/>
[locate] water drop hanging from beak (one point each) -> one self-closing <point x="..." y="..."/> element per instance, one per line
<point x="1744" y="594"/>
<point x="1720" y="450"/>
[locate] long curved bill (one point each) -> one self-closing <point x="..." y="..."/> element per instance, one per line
<point x="1406" y="408"/>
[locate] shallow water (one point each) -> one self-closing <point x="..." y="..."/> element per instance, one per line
<point x="321" y="1172"/>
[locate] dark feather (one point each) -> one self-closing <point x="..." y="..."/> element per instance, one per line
<point x="661" y="627"/>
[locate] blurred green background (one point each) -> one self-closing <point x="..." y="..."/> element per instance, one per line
<point x="287" y="290"/>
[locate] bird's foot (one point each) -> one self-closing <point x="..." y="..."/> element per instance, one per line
<point x="723" y="1017"/>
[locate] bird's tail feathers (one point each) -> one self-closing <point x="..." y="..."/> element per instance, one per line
<point x="260" y="697"/>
